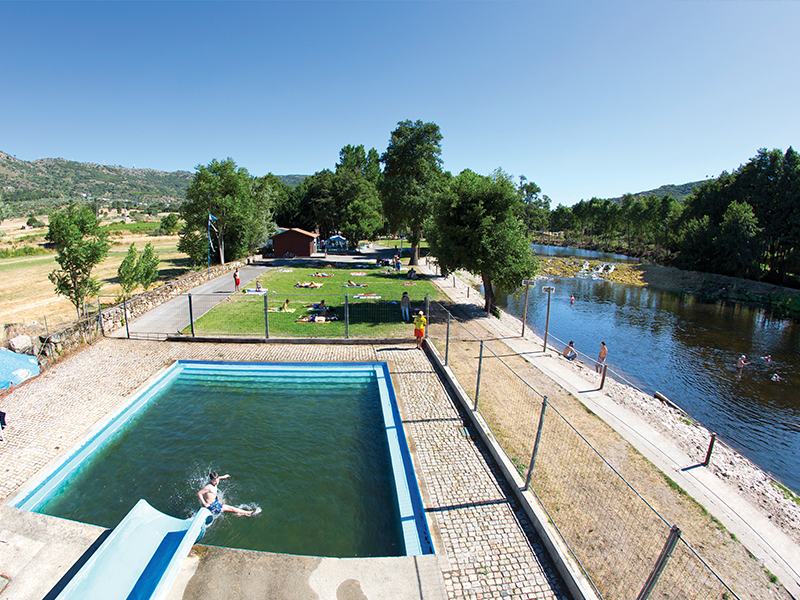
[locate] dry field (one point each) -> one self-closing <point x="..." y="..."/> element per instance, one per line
<point x="27" y="299"/>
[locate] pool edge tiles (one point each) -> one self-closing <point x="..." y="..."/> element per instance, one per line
<point x="413" y="523"/>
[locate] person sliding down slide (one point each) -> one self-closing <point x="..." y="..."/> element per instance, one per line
<point x="208" y="495"/>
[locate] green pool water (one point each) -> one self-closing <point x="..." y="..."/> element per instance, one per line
<point x="308" y="448"/>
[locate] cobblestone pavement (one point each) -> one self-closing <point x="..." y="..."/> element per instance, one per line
<point x="486" y="546"/>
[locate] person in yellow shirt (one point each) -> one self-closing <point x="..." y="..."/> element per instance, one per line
<point x="419" y="328"/>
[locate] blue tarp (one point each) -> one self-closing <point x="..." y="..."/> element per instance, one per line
<point x="16" y="368"/>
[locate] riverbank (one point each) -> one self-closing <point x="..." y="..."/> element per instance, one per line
<point x="709" y="287"/>
<point x="731" y="496"/>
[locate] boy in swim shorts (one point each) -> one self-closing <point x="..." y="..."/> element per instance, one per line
<point x="208" y="495"/>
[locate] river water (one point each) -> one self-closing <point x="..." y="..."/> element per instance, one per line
<point x="687" y="350"/>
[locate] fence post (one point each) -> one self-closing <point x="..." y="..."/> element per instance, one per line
<point x="100" y="317"/>
<point x="661" y="563"/>
<point x="347" y="316"/>
<point x="710" y="448"/>
<point x="126" y="316"/>
<point x="191" y="316"/>
<point x="266" y="316"/>
<point x="603" y="379"/>
<point x="478" y="383"/>
<point x="428" y="309"/>
<point x="454" y="280"/>
<point x="447" y="340"/>
<point x="536" y="444"/>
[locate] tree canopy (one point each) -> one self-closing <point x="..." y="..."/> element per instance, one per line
<point x="475" y="225"/>
<point x="412" y="177"/>
<point x="80" y="245"/>
<point x="239" y="205"/>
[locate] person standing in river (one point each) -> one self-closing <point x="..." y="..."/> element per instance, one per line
<point x="601" y="359"/>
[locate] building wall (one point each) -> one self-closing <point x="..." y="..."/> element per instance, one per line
<point x="294" y="242"/>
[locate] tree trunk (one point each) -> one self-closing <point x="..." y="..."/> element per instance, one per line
<point x="488" y="292"/>
<point x="414" y="260"/>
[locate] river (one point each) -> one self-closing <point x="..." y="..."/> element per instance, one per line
<point x="687" y="350"/>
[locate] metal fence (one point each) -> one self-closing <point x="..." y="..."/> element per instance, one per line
<point x="624" y="546"/>
<point x="267" y="315"/>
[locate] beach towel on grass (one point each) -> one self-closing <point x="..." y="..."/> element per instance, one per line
<point x="358" y="273"/>
<point x="366" y="297"/>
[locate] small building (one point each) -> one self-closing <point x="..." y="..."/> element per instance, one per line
<point x="296" y="241"/>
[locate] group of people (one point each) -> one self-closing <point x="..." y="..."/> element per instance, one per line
<point x="570" y="353"/>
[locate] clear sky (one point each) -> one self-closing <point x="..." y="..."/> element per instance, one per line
<point x="585" y="98"/>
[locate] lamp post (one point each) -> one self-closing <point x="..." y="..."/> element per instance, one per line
<point x="527" y="283"/>
<point x="549" y="289"/>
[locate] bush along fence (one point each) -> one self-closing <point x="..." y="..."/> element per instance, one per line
<point x="311" y="314"/>
<point x="622" y="544"/>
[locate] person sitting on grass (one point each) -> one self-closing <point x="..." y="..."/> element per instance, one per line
<point x="258" y="285"/>
<point x="285" y="305"/>
<point x="321" y="306"/>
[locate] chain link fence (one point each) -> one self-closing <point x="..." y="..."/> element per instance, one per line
<point x="266" y="315"/>
<point x="624" y="546"/>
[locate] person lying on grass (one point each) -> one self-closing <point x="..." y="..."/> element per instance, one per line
<point x="351" y="283"/>
<point x="307" y="284"/>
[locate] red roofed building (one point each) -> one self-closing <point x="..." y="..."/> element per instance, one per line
<point x="296" y="241"/>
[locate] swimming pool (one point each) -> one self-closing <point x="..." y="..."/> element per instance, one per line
<point x="318" y="446"/>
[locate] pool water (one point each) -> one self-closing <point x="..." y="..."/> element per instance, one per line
<point x="308" y="446"/>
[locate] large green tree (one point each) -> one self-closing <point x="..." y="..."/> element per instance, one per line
<point x="80" y="246"/>
<point x="239" y="206"/>
<point x="475" y="226"/>
<point x="412" y="178"/>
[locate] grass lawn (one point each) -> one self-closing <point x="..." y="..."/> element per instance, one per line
<point x="243" y="313"/>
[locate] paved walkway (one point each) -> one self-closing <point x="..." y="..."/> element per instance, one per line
<point x="776" y="550"/>
<point x="485" y="546"/>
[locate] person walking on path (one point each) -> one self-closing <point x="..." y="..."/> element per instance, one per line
<point x="405" y="305"/>
<point x="419" y="328"/>
<point x="601" y="359"/>
<point x="236" y="280"/>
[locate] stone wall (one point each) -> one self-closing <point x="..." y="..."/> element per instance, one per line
<point x="50" y="347"/>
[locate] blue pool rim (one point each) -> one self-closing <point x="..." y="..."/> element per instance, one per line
<point x="414" y="525"/>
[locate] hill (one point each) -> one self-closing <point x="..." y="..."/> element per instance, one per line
<point x="41" y="184"/>
<point x="679" y="192"/>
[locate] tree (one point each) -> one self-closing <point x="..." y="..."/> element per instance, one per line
<point x="147" y="266"/>
<point x="239" y="206"/>
<point x="357" y="212"/>
<point x="475" y="226"/>
<point x="412" y="178"/>
<point x="193" y="244"/>
<point x="80" y="246"/>
<point x="126" y="272"/>
<point x="169" y="223"/>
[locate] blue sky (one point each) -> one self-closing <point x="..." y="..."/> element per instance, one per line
<point x="584" y="98"/>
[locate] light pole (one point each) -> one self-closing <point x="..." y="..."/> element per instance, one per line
<point x="549" y="289"/>
<point x="527" y="283"/>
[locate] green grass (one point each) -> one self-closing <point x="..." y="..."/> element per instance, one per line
<point x="243" y="314"/>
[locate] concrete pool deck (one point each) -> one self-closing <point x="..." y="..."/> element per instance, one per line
<point x="485" y="546"/>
